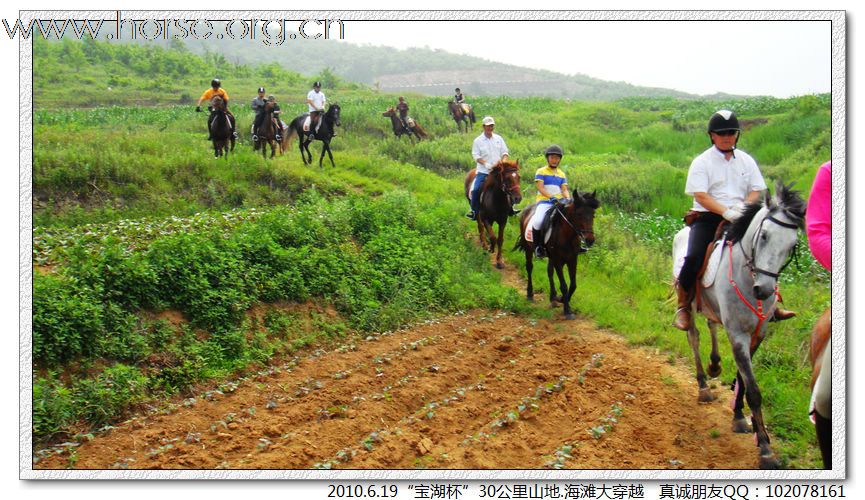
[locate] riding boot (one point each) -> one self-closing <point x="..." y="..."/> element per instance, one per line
<point x="682" y="321"/>
<point x="781" y="314"/>
<point x="538" y="241"/>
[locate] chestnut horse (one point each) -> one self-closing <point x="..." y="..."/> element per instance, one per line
<point x="461" y="117"/>
<point x="571" y="224"/>
<point x="499" y="192"/>
<point x="821" y="385"/>
<point x="412" y="127"/>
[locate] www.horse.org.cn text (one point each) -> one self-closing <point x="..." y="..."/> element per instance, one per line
<point x="267" y="31"/>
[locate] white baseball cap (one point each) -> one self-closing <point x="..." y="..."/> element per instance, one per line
<point x="488" y="120"/>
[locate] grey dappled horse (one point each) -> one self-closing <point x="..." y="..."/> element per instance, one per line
<point x="743" y="298"/>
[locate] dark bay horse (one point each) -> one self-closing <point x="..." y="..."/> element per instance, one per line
<point x="743" y="296"/>
<point x="821" y="385"/>
<point x="329" y="120"/>
<point x="461" y="117"/>
<point x="267" y="132"/>
<point x="221" y="129"/>
<point x="499" y="192"/>
<point x="572" y="223"/>
<point x="412" y="130"/>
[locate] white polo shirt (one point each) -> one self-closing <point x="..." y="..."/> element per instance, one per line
<point x="490" y="149"/>
<point x="728" y="182"/>
<point x="317" y="98"/>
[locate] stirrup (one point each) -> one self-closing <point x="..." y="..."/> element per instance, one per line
<point x="515" y="211"/>
<point x="254" y="138"/>
<point x="472" y="215"/>
<point x="278" y="137"/>
<point x="539" y="252"/>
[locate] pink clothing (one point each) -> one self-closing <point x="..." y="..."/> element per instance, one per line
<point x="818" y="219"/>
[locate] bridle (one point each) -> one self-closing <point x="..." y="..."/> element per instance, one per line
<point x="751" y="260"/>
<point x="513" y="189"/>
<point x="754" y="270"/>
<point x="580" y="232"/>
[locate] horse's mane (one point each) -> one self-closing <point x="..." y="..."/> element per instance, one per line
<point x="786" y="198"/>
<point x="738" y="228"/>
<point x="790" y="200"/>
<point x="589" y="199"/>
<point x="502" y="165"/>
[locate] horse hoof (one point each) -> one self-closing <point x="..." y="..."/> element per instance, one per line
<point x="570" y="317"/>
<point x="530" y="298"/>
<point x="741" y="426"/>
<point x="713" y="371"/>
<point x="499" y="265"/>
<point x="770" y="463"/>
<point x="705" y="395"/>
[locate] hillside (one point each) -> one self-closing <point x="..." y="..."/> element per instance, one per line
<point x="428" y="71"/>
<point x="162" y="275"/>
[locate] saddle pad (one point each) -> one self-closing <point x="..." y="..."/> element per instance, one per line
<point x="410" y="122"/>
<point x="714" y="264"/>
<point x="530" y="233"/>
<point x="306" y="123"/>
<point x="680" y="248"/>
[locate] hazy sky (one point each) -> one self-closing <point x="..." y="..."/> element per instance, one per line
<point x="778" y="58"/>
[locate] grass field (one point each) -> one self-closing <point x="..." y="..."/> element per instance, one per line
<point x="136" y="225"/>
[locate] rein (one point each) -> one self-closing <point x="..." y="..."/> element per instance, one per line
<point x="579" y="232"/>
<point x="758" y="311"/>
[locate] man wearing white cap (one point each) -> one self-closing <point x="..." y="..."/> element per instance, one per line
<point x="487" y="150"/>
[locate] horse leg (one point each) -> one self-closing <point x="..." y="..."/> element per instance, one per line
<point x="740" y="423"/>
<point x="500" y="264"/>
<point x="272" y="149"/>
<point x="565" y="288"/>
<point x="705" y="394"/>
<point x="742" y="355"/>
<point x="491" y="239"/>
<point x="481" y="234"/>
<point x="530" y="264"/>
<point x="550" y="269"/>
<point x="824" y="438"/>
<point x="714" y="358"/>
<point x="330" y="154"/>
<point x="572" y="275"/>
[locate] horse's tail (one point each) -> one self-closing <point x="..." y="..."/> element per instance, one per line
<point x="420" y="131"/>
<point x="290" y="136"/>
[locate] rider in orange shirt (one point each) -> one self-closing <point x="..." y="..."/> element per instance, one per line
<point x="215" y="90"/>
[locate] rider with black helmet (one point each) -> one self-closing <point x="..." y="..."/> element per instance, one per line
<point x="722" y="180"/>
<point x="215" y="90"/>
<point x="316" y="100"/>
<point x="552" y="187"/>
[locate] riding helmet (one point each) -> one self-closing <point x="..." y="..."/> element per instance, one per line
<point x="723" y="120"/>
<point x="215" y="83"/>
<point x="260" y="90"/>
<point x="317" y="85"/>
<point x="555" y="149"/>
<point x="457" y="89"/>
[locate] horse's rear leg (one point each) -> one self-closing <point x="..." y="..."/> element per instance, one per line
<point x="742" y="354"/>
<point x="705" y="394"/>
<point x="824" y="439"/>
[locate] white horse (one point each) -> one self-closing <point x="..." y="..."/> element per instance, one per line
<point x="742" y="296"/>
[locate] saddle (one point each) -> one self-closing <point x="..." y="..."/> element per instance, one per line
<point x="546" y="228"/>
<point x="709" y="270"/>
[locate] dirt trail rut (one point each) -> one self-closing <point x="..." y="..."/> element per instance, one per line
<point x="474" y="391"/>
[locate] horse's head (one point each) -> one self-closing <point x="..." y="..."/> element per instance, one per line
<point x="391" y="112"/>
<point x="580" y="213"/>
<point x="772" y="236"/>
<point x="217" y="103"/>
<point x="333" y="114"/>
<point x="507" y="176"/>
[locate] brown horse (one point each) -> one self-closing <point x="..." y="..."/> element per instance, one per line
<point x="267" y="133"/>
<point x="571" y="224"/>
<point x="411" y="128"/>
<point x="499" y="192"/>
<point x="461" y="117"/>
<point x="221" y="128"/>
<point x="821" y="384"/>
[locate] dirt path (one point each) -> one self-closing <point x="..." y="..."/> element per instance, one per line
<point x="482" y="390"/>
